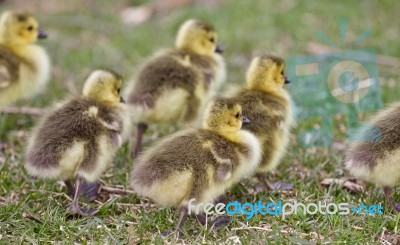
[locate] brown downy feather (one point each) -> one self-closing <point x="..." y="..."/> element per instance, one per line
<point x="267" y="106"/>
<point x="11" y="62"/>
<point x="187" y="67"/>
<point x="197" y="163"/>
<point x="81" y="135"/>
<point x="374" y="153"/>
<point x="24" y="66"/>
<point x="69" y="124"/>
<point x="265" y="124"/>
<point x="184" y="153"/>
<point x="167" y="72"/>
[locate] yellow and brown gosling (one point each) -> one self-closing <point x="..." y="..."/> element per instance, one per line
<point x="198" y="163"/>
<point x="79" y="138"/>
<point x="24" y="66"/>
<point x="174" y="86"/>
<point x="374" y="154"/>
<point x="267" y="105"/>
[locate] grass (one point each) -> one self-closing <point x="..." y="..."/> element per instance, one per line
<point x="88" y="34"/>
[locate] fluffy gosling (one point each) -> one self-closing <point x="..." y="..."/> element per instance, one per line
<point x="267" y="105"/>
<point x="198" y="163"/>
<point x="175" y="85"/>
<point x="374" y="155"/>
<point x="79" y="138"/>
<point x="24" y="66"/>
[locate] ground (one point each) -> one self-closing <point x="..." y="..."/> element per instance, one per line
<point x="87" y="34"/>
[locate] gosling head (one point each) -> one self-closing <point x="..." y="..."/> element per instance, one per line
<point x="19" y="28"/>
<point x="224" y="116"/>
<point x="199" y="37"/>
<point x="104" y="86"/>
<point x="266" y="73"/>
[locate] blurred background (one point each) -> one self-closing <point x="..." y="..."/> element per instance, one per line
<point x="121" y="35"/>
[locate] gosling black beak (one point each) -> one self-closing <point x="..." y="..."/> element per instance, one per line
<point x="286" y="80"/>
<point x="245" y="120"/>
<point x="219" y="49"/>
<point x="42" y="34"/>
<point x="121" y="100"/>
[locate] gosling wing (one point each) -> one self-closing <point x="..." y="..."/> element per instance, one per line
<point x="9" y="67"/>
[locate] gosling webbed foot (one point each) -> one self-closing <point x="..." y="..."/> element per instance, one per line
<point x="281" y="186"/>
<point x="201" y="218"/>
<point x="215" y="224"/>
<point x="222" y="199"/>
<point x="276" y="186"/>
<point x="220" y="222"/>
<point x="178" y="234"/>
<point x="90" y="191"/>
<point x="76" y="210"/>
<point x="397" y="207"/>
<point x="265" y="185"/>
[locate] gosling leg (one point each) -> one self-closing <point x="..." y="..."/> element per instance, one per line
<point x="70" y="188"/>
<point x="141" y="129"/>
<point x="182" y="218"/>
<point x="389" y="199"/>
<point x="75" y="209"/>
<point x="264" y="182"/>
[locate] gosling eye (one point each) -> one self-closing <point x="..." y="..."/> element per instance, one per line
<point x="212" y="39"/>
<point x="30" y="28"/>
<point x="118" y="90"/>
<point x="237" y="115"/>
<point x="282" y="73"/>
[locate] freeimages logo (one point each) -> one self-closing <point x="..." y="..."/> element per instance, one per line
<point x="344" y="82"/>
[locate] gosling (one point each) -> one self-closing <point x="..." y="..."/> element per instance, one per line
<point x="174" y="86"/>
<point x="79" y="138"/>
<point x="198" y="164"/>
<point x="24" y="66"/>
<point x="374" y="155"/>
<point x="267" y="105"/>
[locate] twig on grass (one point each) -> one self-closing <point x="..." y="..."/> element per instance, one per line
<point x="31" y="217"/>
<point x="116" y="190"/>
<point x="251" y="228"/>
<point x="245" y="227"/>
